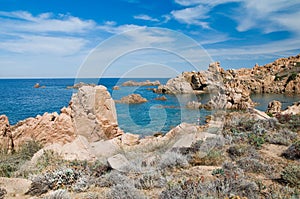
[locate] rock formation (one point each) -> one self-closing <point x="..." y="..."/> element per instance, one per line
<point x="6" y="141"/>
<point x="132" y="99"/>
<point x="94" y="114"/>
<point x="274" y="107"/>
<point x="292" y="110"/>
<point x="145" y="83"/>
<point x="91" y="114"/>
<point x="233" y="87"/>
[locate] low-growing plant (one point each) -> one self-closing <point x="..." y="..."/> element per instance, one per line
<point x="254" y="166"/>
<point x="219" y="171"/>
<point x="291" y="175"/>
<point x="242" y="150"/>
<point x="173" y="160"/>
<point x="10" y="163"/>
<point x="124" y="191"/>
<point x="214" y="157"/>
<point x="281" y="137"/>
<point x="58" y="194"/>
<point x="150" y="180"/>
<point x="256" y="140"/>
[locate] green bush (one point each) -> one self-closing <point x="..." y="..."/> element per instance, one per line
<point x="291" y="77"/>
<point x="256" y="140"/>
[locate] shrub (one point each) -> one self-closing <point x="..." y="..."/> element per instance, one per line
<point x="150" y="181"/>
<point x="58" y="194"/>
<point x="291" y="175"/>
<point x="293" y="152"/>
<point x="282" y="137"/>
<point x="213" y="158"/>
<point x="256" y="140"/>
<point x="231" y="183"/>
<point x="241" y="150"/>
<point x="66" y="178"/>
<point x="111" y="179"/>
<point x="253" y="165"/>
<point x="124" y="191"/>
<point x="173" y="160"/>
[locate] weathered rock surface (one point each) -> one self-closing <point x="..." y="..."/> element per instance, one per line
<point x="132" y="99"/>
<point x="118" y="162"/>
<point x="80" y="84"/>
<point x="94" y="114"/>
<point x="293" y="110"/>
<point x="130" y="139"/>
<point x="6" y="141"/>
<point x="145" y="83"/>
<point x="274" y="107"/>
<point x="177" y="85"/>
<point x="46" y="129"/>
<point x="91" y="114"/>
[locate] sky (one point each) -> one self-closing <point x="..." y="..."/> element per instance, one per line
<point x="65" y="38"/>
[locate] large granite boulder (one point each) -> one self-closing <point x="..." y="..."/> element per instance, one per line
<point x="94" y="114"/>
<point x="6" y="141"/>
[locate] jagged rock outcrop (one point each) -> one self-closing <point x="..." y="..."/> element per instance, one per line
<point x="145" y="83"/>
<point x="132" y="99"/>
<point x="46" y="129"/>
<point x="91" y="114"/>
<point x="177" y="85"/>
<point x="274" y="107"/>
<point x="193" y="105"/>
<point x="94" y="114"/>
<point x="6" y="141"/>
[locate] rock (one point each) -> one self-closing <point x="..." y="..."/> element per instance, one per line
<point x="177" y="85"/>
<point x="181" y="129"/>
<point x="162" y="98"/>
<point x="118" y="162"/>
<point x="130" y="139"/>
<point x="257" y="114"/>
<point x="94" y="114"/>
<point x="293" y="110"/>
<point x="193" y="105"/>
<point x="91" y="114"/>
<point x="116" y="88"/>
<point x="47" y="129"/>
<point x="132" y="99"/>
<point x="79" y="85"/>
<point x="15" y="187"/>
<point x="6" y="140"/>
<point x="274" y="107"/>
<point x="37" y="85"/>
<point x="145" y="83"/>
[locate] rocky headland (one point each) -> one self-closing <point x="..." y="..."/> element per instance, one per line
<point x="82" y="153"/>
<point x="233" y="87"/>
<point x="145" y="83"/>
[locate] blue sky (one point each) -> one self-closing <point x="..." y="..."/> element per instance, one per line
<point x="53" y="38"/>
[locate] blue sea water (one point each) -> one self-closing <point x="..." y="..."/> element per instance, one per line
<point x="20" y="100"/>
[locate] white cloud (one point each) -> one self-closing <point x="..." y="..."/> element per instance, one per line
<point x="21" y="21"/>
<point x="192" y="16"/>
<point x="146" y="18"/>
<point x="44" y="45"/>
<point x="270" y="16"/>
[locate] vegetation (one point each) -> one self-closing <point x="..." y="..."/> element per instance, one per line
<point x="10" y="163"/>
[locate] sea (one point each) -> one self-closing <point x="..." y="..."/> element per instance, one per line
<point x="20" y="100"/>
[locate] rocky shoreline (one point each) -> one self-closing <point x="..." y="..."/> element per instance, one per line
<point x="235" y="154"/>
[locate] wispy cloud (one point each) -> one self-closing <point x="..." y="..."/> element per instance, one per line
<point x="145" y="17"/>
<point x="192" y="16"/>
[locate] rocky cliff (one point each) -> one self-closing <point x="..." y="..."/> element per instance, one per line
<point x="91" y="114"/>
